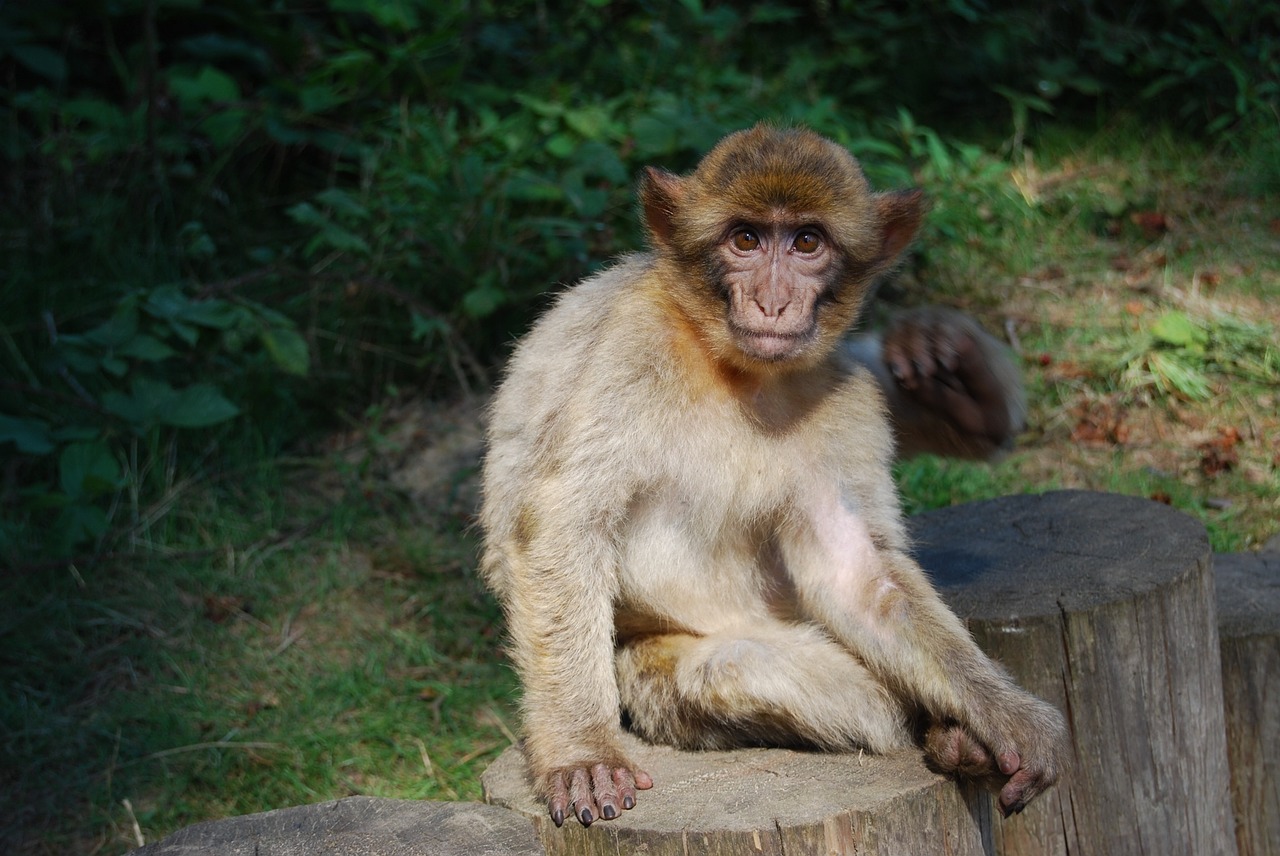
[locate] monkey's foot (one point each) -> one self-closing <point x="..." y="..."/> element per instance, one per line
<point x="951" y="749"/>
<point x="599" y="791"/>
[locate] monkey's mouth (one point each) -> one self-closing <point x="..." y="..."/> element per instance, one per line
<point x="769" y="345"/>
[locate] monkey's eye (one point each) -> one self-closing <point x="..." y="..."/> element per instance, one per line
<point x="746" y="240"/>
<point x="807" y="241"/>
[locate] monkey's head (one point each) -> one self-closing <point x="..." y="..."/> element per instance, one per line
<point x="776" y="237"/>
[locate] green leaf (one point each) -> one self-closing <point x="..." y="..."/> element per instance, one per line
<point x="31" y="436"/>
<point x="168" y="303"/>
<point x="654" y="136"/>
<point x="287" y="349"/>
<point x="78" y="523"/>
<point x="215" y="47"/>
<point x="561" y="145"/>
<point x="426" y="328"/>
<point x="76" y="432"/>
<point x="116" y="331"/>
<point x="198" y="406"/>
<point x="305" y="214"/>
<point x="317" y="98"/>
<point x="539" y="106"/>
<point x="482" y="301"/>
<point x="207" y="85"/>
<point x="154" y="402"/>
<point x="343" y="202"/>
<point x="146" y="348"/>
<point x="42" y="61"/>
<point x="1175" y="328"/>
<point x="88" y="469"/>
<point x="528" y="186"/>
<point x="593" y="123"/>
<point x="142" y="404"/>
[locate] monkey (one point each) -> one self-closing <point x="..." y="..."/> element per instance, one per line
<point x="951" y="389"/>
<point x="687" y="507"/>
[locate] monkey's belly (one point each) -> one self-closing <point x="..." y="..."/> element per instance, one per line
<point x="675" y="576"/>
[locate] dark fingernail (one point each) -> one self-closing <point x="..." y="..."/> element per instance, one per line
<point x="557" y="817"/>
<point x="608" y="812"/>
<point x="628" y="803"/>
<point x="586" y="817"/>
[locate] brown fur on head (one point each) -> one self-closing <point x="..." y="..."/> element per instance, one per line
<point x="768" y="175"/>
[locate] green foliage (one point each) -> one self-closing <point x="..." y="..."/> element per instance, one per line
<point x="361" y="193"/>
<point x="1179" y="353"/>
<point x="136" y="378"/>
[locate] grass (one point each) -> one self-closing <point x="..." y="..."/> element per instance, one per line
<point x="325" y="645"/>
<point x="1125" y="230"/>
<point x="299" y="630"/>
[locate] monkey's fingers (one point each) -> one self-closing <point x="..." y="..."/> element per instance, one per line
<point x="973" y="371"/>
<point x="627" y="782"/>
<point x="908" y="355"/>
<point x="584" y="806"/>
<point x="601" y="791"/>
<point x="557" y="797"/>
<point x="1022" y="787"/>
<point x="1026" y="781"/>
<point x="605" y="788"/>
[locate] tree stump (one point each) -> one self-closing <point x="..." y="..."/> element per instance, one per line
<point x="1249" y="623"/>
<point x="1104" y="606"/>
<point x="358" y="825"/>
<point x="763" y="801"/>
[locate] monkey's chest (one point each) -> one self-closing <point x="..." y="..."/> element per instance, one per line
<point x="699" y="551"/>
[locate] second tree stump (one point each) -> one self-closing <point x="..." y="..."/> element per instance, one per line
<point x="1104" y="606"/>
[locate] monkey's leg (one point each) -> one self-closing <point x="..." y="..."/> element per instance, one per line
<point x="774" y="685"/>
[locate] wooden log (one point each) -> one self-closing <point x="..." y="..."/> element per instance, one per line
<point x="1103" y="605"/>
<point x="1248" y="588"/>
<point x="763" y="801"/>
<point x="358" y="825"/>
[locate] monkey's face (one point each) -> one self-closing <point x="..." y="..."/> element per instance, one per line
<point x="773" y="277"/>
<point x="775" y="239"/>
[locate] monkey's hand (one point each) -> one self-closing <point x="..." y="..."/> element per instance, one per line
<point x="1020" y="769"/>
<point x="593" y="791"/>
<point x="956" y="392"/>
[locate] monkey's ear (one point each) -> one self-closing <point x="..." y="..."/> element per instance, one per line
<point x="660" y="196"/>
<point x="900" y="215"/>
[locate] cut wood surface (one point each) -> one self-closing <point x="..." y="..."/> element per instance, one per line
<point x="764" y="801"/>
<point x="1248" y="588"/>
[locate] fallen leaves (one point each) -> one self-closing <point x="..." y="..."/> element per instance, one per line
<point x="1219" y="455"/>
<point x="1100" y="423"/>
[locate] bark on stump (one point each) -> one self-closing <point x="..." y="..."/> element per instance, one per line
<point x="764" y="801"/>
<point x="1103" y="605"/>
<point x="1249" y="623"/>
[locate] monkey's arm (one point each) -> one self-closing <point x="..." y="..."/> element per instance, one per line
<point x="854" y="576"/>
<point x="950" y="387"/>
<point x="561" y="584"/>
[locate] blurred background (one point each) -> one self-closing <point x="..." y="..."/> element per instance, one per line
<point x="260" y="263"/>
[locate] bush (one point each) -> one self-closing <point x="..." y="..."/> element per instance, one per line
<point x="238" y="208"/>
